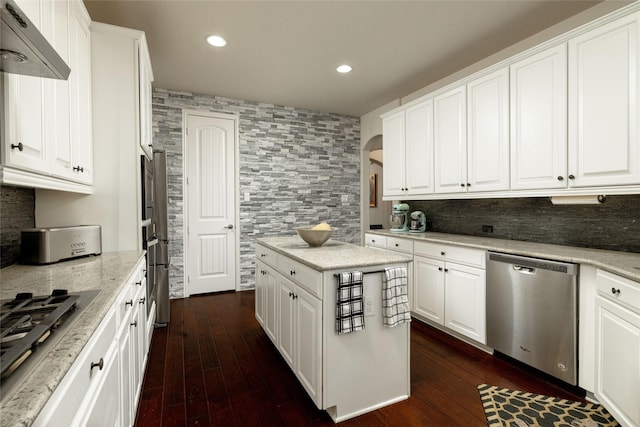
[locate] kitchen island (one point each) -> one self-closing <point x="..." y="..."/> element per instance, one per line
<point x="347" y="374"/>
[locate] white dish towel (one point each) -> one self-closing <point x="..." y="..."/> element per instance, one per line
<point x="395" y="296"/>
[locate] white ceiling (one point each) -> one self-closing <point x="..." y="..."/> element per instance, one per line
<point x="286" y="52"/>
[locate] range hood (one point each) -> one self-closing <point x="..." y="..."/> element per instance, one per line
<point x="23" y="50"/>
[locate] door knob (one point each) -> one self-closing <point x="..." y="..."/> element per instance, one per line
<point x="230" y="226"/>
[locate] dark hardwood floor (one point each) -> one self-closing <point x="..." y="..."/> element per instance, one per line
<point x="215" y="366"/>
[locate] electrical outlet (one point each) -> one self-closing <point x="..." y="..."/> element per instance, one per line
<point x="487" y="228"/>
<point x="368" y="306"/>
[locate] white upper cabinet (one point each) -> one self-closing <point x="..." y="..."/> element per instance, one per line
<point x="488" y="132"/>
<point x="25" y="144"/>
<point x="539" y="120"/>
<point x="450" y="141"/>
<point x="47" y="139"/>
<point x="393" y="157"/>
<point x="408" y="151"/>
<point x="419" y="148"/>
<point x="145" y="79"/>
<point x="604" y="84"/>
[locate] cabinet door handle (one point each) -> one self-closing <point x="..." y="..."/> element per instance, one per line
<point x="615" y="291"/>
<point x="19" y="146"/>
<point x="443" y="253"/>
<point x="142" y="300"/>
<point x="560" y="178"/>
<point x="134" y="324"/>
<point x="130" y="302"/>
<point x="571" y="177"/>
<point x="292" y="272"/>
<point x="98" y="365"/>
<point x="446" y="270"/>
<point x="462" y="184"/>
<point x="439" y="268"/>
<point x="78" y="168"/>
<point x="397" y="245"/>
<point x="139" y="283"/>
<point x="295" y="296"/>
<point x="468" y="184"/>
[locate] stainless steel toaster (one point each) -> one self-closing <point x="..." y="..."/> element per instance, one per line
<point x="49" y="245"/>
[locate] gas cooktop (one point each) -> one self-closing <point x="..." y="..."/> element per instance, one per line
<point x="30" y="326"/>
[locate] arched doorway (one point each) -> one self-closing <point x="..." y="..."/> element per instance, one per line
<point x="376" y="212"/>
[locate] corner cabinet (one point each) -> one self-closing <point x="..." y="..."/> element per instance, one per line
<point x="618" y="346"/>
<point x="409" y="158"/>
<point x="47" y="139"/>
<point x="103" y="385"/>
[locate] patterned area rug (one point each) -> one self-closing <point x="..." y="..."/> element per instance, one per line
<point x="510" y="408"/>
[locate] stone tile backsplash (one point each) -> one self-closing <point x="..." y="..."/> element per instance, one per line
<point x="17" y="212"/>
<point x="295" y="164"/>
<point x="613" y="225"/>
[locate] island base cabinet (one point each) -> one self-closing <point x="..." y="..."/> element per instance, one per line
<point x="618" y="361"/>
<point x="367" y="369"/>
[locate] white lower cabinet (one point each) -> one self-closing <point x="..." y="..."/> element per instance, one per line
<point x="449" y="288"/>
<point x="299" y="337"/>
<point x="266" y="294"/>
<point x="102" y="387"/>
<point x="618" y="347"/>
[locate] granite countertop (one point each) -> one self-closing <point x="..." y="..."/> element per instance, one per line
<point x="626" y="264"/>
<point x="108" y="273"/>
<point x="333" y="255"/>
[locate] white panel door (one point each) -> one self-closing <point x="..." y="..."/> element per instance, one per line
<point x="308" y="341"/>
<point x="450" y="141"/>
<point x="488" y="132"/>
<point x="419" y="148"/>
<point x="539" y="120"/>
<point x="211" y="191"/>
<point x="604" y="88"/>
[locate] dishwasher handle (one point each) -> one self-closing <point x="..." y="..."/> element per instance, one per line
<point x="524" y="269"/>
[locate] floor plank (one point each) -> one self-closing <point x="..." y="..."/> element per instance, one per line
<point x="214" y="366"/>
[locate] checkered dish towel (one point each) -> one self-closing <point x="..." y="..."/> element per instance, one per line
<point x="349" y="303"/>
<point x="395" y="296"/>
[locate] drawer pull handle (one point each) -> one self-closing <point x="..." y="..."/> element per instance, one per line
<point x="443" y="253"/>
<point x="263" y="255"/>
<point x="130" y="302"/>
<point x="78" y="169"/>
<point x="446" y="270"/>
<point x="572" y="177"/>
<point x="139" y="283"/>
<point x="143" y="300"/>
<point x="19" y="146"/>
<point x="98" y="365"/>
<point x="397" y="245"/>
<point x="615" y="291"/>
<point x="560" y="178"/>
<point x="440" y="268"/>
<point x="292" y="272"/>
<point x="134" y="324"/>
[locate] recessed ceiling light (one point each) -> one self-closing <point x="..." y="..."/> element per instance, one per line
<point x="344" y="69"/>
<point x="216" y="41"/>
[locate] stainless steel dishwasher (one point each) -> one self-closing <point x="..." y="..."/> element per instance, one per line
<point x="532" y="312"/>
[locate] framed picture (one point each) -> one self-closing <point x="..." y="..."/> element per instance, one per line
<point x="373" y="190"/>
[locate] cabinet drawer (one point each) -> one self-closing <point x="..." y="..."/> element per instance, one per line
<point x="619" y="289"/>
<point x="306" y="277"/>
<point x="375" y="240"/>
<point x="473" y="257"/>
<point x="267" y="255"/>
<point x="400" y="245"/>
<point x="124" y="304"/>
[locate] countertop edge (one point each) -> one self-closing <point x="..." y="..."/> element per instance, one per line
<point x="626" y="264"/>
<point x="378" y="257"/>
